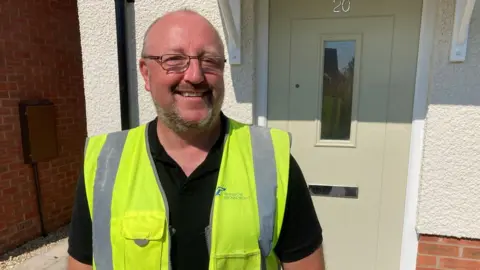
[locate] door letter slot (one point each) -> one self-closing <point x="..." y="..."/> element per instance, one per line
<point x="333" y="191"/>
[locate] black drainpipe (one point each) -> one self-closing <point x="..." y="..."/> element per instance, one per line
<point x="120" y="19"/>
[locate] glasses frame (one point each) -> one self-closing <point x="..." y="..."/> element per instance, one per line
<point x="159" y="59"/>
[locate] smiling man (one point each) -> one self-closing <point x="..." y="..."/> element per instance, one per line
<point x="193" y="188"/>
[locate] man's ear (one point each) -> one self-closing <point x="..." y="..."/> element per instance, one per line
<point x="145" y="73"/>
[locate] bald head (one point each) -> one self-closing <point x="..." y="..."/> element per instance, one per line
<point x="172" y="21"/>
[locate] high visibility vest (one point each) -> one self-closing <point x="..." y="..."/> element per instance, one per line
<point x="129" y="209"/>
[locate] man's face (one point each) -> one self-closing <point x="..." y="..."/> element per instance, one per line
<point x="189" y="99"/>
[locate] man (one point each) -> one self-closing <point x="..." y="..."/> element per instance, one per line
<point x="192" y="189"/>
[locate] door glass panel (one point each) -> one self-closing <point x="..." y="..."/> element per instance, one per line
<point x="337" y="92"/>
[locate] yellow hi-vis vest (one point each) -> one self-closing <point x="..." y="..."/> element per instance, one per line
<point x="129" y="209"/>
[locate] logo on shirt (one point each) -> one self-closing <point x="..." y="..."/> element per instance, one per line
<point x="221" y="191"/>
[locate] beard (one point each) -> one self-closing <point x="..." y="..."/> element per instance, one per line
<point x="171" y="116"/>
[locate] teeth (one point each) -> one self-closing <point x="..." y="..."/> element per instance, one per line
<point x="192" y="94"/>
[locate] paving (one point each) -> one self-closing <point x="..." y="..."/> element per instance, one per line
<point x="54" y="259"/>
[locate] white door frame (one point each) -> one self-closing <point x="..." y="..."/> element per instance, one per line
<point x="410" y="237"/>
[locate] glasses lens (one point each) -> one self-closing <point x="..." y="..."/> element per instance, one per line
<point x="178" y="63"/>
<point x="212" y="63"/>
<point x="174" y="61"/>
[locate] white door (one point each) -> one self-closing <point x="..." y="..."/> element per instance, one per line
<point x="341" y="80"/>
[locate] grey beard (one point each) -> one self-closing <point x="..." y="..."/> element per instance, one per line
<point x="172" y="119"/>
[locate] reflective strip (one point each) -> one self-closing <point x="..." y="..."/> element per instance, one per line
<point x="290" y="137"/>
<point x="266" y="184"/>
<point x="170" y="230"/>
<point x="107" y="167"/>
<point x="87" y="140"/>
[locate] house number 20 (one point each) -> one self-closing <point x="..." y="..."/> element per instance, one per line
<point x="341" y="6"/>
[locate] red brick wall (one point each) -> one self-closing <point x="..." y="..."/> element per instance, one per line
<point x="448" y="253"/>
<point x="39" y="58"/>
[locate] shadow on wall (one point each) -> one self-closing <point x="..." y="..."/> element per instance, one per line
<point x="242" y="75"/>
<point x="243" y="81"/>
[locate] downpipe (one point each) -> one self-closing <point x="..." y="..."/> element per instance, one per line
<point x="120" y="20"/>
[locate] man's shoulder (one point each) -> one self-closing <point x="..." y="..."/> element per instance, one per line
<point x="112" y="139"/>
<point x="261" y="129"/>
<point x="115" y="133"/>
<point x="242" y="123"/>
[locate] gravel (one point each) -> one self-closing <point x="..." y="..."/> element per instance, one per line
<point x="38" y="246"/>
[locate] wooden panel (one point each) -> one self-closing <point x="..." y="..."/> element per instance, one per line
<point x="38" y="122"/>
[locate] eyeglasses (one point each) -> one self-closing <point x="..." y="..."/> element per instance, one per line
<point x="180" y="62"/>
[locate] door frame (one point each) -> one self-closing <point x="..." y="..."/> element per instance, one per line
<point x="409" y="249"/>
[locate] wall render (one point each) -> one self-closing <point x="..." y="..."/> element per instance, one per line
<point x="449" y="195"/>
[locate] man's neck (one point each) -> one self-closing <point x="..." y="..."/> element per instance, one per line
<point x="192" y="139"/>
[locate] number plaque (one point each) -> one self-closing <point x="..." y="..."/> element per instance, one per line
<point x="341" y="6"/>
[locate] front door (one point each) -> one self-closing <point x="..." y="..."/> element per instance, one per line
<point x="341" y="80"/>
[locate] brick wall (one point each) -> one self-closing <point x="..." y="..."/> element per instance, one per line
<point x="448" y="253"/>
<point x="39" y="58"/>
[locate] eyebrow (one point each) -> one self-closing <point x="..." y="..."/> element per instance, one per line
<point x="174" y="51"/>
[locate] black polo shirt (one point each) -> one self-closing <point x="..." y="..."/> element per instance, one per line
<point x="190" y="199"/>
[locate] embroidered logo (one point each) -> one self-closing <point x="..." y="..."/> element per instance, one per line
<point x="221" y="191"/>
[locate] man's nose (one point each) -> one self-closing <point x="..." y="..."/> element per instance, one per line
<point x="194" y="73"/>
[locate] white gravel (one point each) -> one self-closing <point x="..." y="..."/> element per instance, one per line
<point x="41" y="245"/>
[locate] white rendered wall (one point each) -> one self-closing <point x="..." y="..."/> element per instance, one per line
<point x="449" y="198"/>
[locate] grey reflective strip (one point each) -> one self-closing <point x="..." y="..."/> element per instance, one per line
<point x="107" y="167"/>
<point x="170" y="231"/>
<point x="290" y="137"/>
<point x="266" y="184"/>
<point x="208" y="235"/>
<point x="86" y="147"/>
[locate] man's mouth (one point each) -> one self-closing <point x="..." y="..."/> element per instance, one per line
<point x="193" y="93"/>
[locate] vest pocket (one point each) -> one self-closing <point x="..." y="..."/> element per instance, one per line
<point x="144" y="238"/>
<point x="239" y="261"/>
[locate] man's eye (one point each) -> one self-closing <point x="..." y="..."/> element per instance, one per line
<point x="174" y="60"/>
<point x="209" y="60"/>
